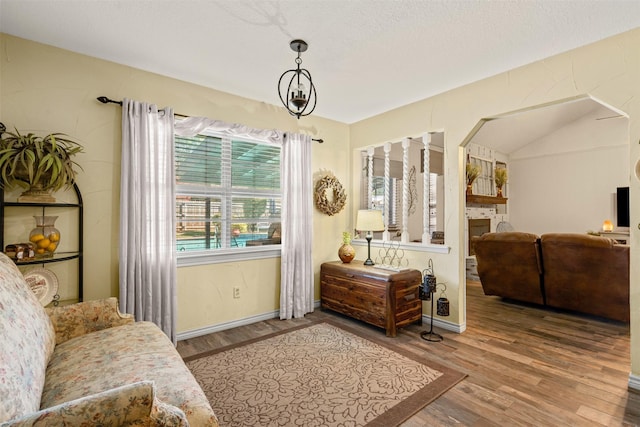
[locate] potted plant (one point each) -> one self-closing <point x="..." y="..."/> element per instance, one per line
<point x="500" y="178"/>
<point x="473" y="171"/>
<point x="40" y="164"/>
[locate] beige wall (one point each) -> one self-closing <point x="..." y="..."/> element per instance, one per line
<point x="608" y="70"/>
<point x="543" y="177"/>
<point x="45" y="89"/>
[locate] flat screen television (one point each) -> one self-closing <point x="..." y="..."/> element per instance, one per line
<point x="622" y="204"/>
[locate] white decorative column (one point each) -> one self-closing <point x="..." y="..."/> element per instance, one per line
<point x="364" y="180"/>
<point x="426" y="237"/>
<point x="405" y="190"/>
<point x="387" y="179"/>
<point x="370" y="152"/>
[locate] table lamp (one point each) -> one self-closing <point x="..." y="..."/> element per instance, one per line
<point x="369" y="220"/>
<point x="607" y="226"/>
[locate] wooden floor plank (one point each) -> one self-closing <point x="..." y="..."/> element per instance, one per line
<point x="526" y="365"/>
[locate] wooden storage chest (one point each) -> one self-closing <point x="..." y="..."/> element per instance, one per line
<point x="383" y="298"/>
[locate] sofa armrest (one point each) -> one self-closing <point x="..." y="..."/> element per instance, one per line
<point x="130" y="405"/>
<point x="82" y="318"/>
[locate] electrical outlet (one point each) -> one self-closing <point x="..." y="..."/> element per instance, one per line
<point x="236" y="292"/>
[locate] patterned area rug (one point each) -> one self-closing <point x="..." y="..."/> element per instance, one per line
<point x="318" y="375"/>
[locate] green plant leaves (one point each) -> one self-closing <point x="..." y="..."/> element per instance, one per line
<point x="33" y="161"/>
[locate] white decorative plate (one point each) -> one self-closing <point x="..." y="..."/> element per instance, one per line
<point x="43" y="283"/>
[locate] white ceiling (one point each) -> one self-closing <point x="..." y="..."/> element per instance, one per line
<point x="512" y="131"/>
<point x="365" y="56"/>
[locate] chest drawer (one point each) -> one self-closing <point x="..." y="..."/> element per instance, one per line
<point x="355" y="298"/>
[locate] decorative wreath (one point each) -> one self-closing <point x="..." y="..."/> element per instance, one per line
<point x="339" y="197"/>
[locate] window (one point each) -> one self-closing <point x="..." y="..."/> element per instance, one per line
<point x="227" y="193"/>
<point x="484" y="184"/>
<point x="433" y="202"/>
<point x="377" y="199"/>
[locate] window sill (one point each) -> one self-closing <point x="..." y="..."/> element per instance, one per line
<point x="411" y="246"/>
<point x="227" y="255"/>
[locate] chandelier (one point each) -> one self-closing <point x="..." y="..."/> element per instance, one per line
<point x="299" y="94"/>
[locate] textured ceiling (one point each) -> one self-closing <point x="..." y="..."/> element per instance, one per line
<point x="512" y="131"/>
<point x="366" y="56"/>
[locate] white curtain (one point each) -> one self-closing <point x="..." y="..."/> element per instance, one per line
<point x="296" y="285"/>
<point x="148" y="266"/>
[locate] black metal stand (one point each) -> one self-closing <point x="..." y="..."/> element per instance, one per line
<point x="430" y="335"/>
<point x="428" y="288"/>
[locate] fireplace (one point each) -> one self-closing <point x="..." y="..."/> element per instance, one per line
<point x="477" y="227"/>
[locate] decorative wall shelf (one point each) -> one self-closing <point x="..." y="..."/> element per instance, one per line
<point x="486" y="200"/>
<point x="58" y="256"/>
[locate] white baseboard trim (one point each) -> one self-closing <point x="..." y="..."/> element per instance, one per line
<point x="226" y="325"/>
<point x="634" y="382"/>
<point x="443" y="324"/>
<point x="193" y="333"/>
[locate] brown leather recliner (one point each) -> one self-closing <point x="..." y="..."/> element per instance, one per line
<point x="509" y="265"/>
<point x="589" y="274"/>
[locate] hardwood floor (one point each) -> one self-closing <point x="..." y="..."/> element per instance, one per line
<point x="526" y="365"/>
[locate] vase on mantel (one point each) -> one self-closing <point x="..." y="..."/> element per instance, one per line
<point x="472" y="172"/>
<point x="346" y="252"/>
<point x="499" y="192"/>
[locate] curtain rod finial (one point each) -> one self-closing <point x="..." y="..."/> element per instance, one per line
<point x="106" y="100"/>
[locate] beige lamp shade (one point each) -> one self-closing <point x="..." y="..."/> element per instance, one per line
<point x="607" y="225"/>
<point x="369" y="220"/>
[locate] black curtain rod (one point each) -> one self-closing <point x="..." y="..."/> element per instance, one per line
<point x="106" y="100"/>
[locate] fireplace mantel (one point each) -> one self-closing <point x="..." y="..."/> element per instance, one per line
<point x="486" y="200"/>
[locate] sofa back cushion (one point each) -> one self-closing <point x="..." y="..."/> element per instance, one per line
<point x="584" y="273"/>
<point x="509" y="265"/>
<point x="27" y="340"/>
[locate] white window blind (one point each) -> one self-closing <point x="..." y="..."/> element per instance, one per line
<point x="227" y="193"/>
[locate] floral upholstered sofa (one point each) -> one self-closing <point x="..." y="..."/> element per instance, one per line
<point x="88" y="365"/>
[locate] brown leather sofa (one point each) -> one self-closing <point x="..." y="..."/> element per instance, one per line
<point x="586" y="273"/>
<point x="509" y="265"/>
<point x="578" y="272"/>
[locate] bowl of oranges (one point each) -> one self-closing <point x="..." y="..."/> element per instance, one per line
<point x="45" y="237"/>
